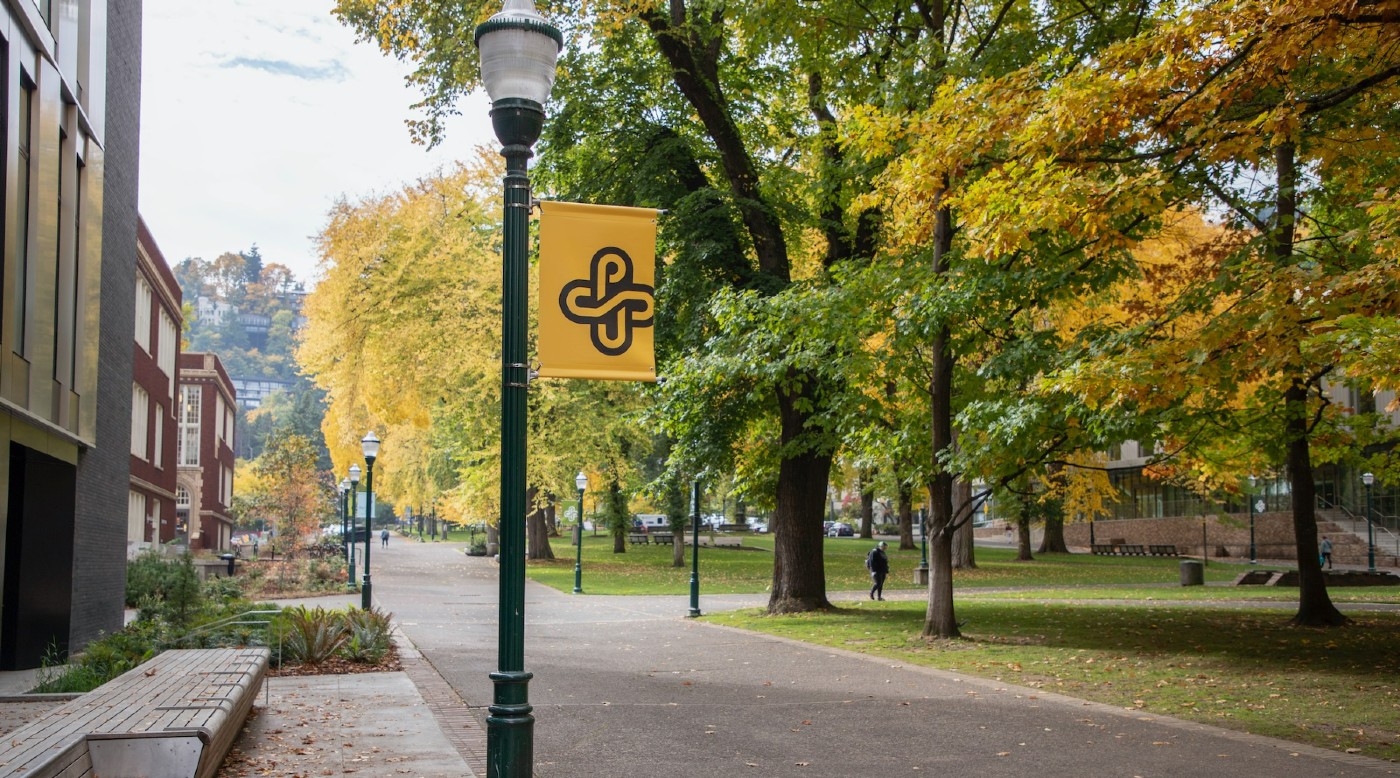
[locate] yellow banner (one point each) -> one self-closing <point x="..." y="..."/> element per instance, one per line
<point x="597" y="273"/>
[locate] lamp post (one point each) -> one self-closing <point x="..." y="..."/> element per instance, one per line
<point x="581" y="481"/>
<point x="923" y="540"/>
<point x="345" y="518"/>
<point x="369" y="446"/>
<point x="695" y="552"/>
<point x="1368" y="479"/>
<point x="518" y="49"/>
<point x="1253" y="553"/>
<point x="354" y="523"/>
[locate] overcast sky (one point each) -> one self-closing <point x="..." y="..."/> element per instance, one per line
<point x="257" y="114"/>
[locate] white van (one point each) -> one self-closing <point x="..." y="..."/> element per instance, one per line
<point x="654" y="521"/>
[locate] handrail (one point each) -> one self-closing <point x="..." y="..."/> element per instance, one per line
<point x="1377" y="527"/>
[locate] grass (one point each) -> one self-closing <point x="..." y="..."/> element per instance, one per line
<point x="1242" y="669"/>
<point x="1388" y="594"/>
<point x="647" y="569"/>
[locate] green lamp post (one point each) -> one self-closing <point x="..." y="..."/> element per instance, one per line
<point x="369" y="446"/>
<point x="354" y="524"/>
<point x="1253" y="552"/>
<point x="519" y="50"/>
<point x="581" y="481"/>
<point x="345" y="518"/>
<point x="1368" y="479"/>
<point x="695" y="552"/>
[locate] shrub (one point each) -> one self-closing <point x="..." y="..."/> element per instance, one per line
<point x="886" y="529"/>
<point x="312" y="636"/>
<point x="182" y="600"/>
<point x="148" y="575"/>
<point x="101" y="661"/>
<point x="370" y="635"/>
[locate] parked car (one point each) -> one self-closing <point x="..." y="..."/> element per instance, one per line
<point x="826" y="527"/>
<point x="759" y="528"/>
<point x="840" y="530"/>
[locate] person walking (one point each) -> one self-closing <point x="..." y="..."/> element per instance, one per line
<point x="1326" y="550"/>
<point x="384" y="538"/>
<point x="879" y="566"/>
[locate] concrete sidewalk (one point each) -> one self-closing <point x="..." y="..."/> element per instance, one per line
<point x="374" y="725"/>
<point x="626" y="687"/>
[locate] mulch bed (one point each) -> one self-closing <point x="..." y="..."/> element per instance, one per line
<point x="342" y="666"/>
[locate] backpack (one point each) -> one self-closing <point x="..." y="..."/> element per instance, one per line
<point x="867" y="561"/>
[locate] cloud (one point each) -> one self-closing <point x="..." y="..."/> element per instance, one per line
<point x="331" y="71"/>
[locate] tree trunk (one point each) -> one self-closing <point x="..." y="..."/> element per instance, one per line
<point x="867" y="504"/>
<point x="906" y="517"/>
<point x="551" y="509"/>
<point x="939" y="619"/>
<point x="1023" y="538"/>
<point x="678" y="549"/>
<point x="617" y="518"/>
<point x="1315" y="608"/>
<point x="493" y="538"/>
<point x="799" y="574"/>
<point x="1054" y="540"/>
<point x="536" y="530"/>
<point x="964" y="554"/>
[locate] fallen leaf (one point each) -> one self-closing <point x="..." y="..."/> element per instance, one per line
<point x="1003" y="753"/>
<point x="801" y="764"/>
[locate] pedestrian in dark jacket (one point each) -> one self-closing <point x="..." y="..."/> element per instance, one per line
<point x="384" y="538"/>
<point x="879" y="566"/>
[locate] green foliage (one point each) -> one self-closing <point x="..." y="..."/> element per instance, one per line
<point x="182" y="599"/>
<point x="370" y="635"/>
<point x="313" y="635"/>
<point x="148" y="575"/>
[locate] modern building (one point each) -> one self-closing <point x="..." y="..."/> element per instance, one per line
<point x="71" y="102"/>
<point x="204" y="452"/>
<point x="252" y="391"/>
<point x="154" y="388"/>
<point x="210" y="311"/>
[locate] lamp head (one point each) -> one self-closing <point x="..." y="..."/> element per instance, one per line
<point x="519" y="50"/>
<point x="354" y="475"/>
<point x="1253" y="482"/>
<point x="581" y="480"/>
<point x="344" y="485"/>
<point x="369" y="445"/>
<point x="1368" y="478"/>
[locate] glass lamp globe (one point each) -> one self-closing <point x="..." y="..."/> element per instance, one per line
<point x="519" y="49"/>
<point x="1368" y="478"/>
<point x="344" y="485"/>
<point x="581" y="481"/>
<point x="369" y="444"/>
<point x="354" y="474"/>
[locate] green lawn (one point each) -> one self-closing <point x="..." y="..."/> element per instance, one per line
<point x="1386" y="594"/>
<point x="646" y="569"/>
<point x="1242" y="669"/>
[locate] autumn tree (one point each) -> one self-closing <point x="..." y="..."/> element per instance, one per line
<point x="295" y="496"/>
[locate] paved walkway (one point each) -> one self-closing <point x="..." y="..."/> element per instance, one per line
<point x="625" y="687"/>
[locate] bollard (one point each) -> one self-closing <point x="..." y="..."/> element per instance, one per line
<point x="228" y="558"/>
<point x="1193" y="573"/>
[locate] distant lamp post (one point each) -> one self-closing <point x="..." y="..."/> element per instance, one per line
<point x="1253" y="552"/>
<point x="354" y="522"/>
<point x="923" y="542"/>
<point x="581" y="481"/>
<point x="519" y="50"/>
<point x="369" y="446"/>
<point x="695" y="552"/>
<point x="345" y="518"/>
<point x="1368" y="479"/>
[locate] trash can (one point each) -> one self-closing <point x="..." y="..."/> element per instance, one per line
<point x="921" y="576"/>
<point x="228" y="558"/>
<point x="1193" y="573"/>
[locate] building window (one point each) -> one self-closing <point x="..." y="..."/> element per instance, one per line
<point x="22" y="181"/>
<point x="228" y="486"/>
<point x="143" y="314"/>
<point x="218" y="417"/>
<point x="228" y="420"/>
<point x="187" y="448"/>
<point x="169" y="340"/>
<point x="140" y="420"/>
<point x="135" y="517"/>
<point x="158" y="457"/>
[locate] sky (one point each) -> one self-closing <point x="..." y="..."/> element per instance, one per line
<point x="256" y="115"/>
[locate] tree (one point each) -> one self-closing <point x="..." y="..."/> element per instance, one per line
<point x="1271" y="115"/>
<point x="296" y="496"/>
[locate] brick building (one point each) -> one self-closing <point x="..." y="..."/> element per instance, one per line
<point x="154" y="388"/>
<point x="72" y="101"/>
<point x="204" y="452"/>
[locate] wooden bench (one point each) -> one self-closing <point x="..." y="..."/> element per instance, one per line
<point x="663" y="538"/>
<point x="733" y="528"/>
<point x="1159" y="550"/>
<point x="176" y="716"/>
<point x="717" y="542"/>
<point x="638" y="537"/>
<point x="1132" y="550"/>
<point x="1104" y="549"/>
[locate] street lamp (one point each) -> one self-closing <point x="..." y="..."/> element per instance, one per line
<point x="354" y="522"/>
<point x="369" y="446"/>
<point x="345" y="518"/>
<point x="1253" y="553"/>
<point x="695" y="553"/>
<point x="519" y="50"/>
<point x="923" y="539"/>
<point x="1368" y="479"/>
<point x="581" y="481"/>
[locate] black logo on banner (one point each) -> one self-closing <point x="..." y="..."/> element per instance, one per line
<point x="609" y="301"/>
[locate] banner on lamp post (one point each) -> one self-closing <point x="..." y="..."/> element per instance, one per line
<point x="597" y="303"/>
